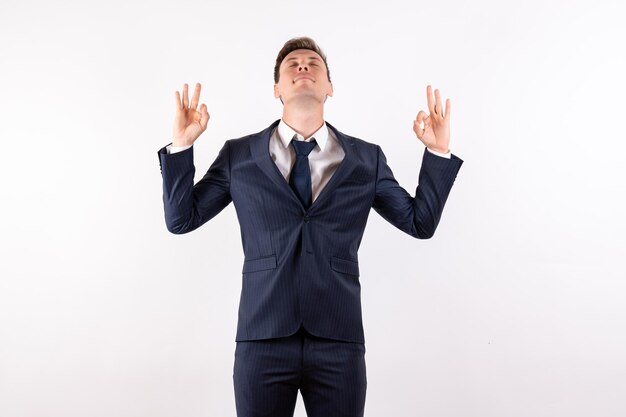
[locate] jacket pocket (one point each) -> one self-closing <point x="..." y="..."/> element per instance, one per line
<point x="259" y="264"/>
<point x="344" y="266"/>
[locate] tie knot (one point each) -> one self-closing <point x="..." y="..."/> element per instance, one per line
<point x="303" y="148"/>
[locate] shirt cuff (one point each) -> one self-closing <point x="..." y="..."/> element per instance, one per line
<point x="443" y="155"/>
<point x="173" y="149"/>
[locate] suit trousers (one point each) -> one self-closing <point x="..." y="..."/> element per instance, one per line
<point x="330" y="375"/>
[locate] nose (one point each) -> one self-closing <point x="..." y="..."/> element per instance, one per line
<point x="305" y="68"/>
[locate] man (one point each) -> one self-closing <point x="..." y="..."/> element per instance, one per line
<point x="302" y="191"/>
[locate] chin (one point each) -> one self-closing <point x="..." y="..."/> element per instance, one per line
<point x="305" y="99"/>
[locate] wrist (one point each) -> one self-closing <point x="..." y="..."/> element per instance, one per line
<point x="180" y="144"/>
<point x="440" y="150"/>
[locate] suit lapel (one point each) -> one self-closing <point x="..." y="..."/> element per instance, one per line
<point x="259" y="148"/>
<point x="344" y="169"/>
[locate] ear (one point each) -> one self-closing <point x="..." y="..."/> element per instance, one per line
<point x="330" y="93"/>
<point x="276" y="92"/>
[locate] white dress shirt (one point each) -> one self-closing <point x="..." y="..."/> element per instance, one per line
<point x="323" y="159"/>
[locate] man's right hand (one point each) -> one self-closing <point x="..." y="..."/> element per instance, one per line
<point x="189" y="123"/>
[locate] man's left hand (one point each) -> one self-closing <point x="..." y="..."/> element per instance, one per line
<point x="436" y="131"/>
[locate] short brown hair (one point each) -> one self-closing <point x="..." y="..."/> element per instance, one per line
<point x="291" y="45"/>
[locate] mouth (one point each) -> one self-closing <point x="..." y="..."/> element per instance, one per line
<point x="303" y="78"/>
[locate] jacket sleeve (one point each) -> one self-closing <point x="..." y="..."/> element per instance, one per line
<point x="418" y="216"/>
<point x="188" y="206"/>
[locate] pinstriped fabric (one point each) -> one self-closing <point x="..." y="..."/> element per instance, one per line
<point x="184" y="209"/>
<point x="301" y="265"/>
<point x="330" y="375"/>
<point x="418" y="216"/>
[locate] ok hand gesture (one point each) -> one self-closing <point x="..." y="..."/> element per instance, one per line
<point x="436" y="132"/>
<point x="189" y="123"/>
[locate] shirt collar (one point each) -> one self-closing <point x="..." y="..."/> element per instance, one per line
<point x="285" y="133"/>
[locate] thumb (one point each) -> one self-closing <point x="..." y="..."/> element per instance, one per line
<point x="204" y="116"/>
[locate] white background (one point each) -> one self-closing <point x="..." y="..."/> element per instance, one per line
<point x="515" y="308"/>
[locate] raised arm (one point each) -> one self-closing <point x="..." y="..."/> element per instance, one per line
<point x="188" y="206"/>
<point x="419" y="216"/>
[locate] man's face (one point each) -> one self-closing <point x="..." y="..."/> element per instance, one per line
<point x="303" y="76"/>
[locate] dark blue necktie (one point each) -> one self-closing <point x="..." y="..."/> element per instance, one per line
<point x="300" y="177"/>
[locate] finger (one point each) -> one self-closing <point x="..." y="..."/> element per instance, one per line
<point x="429" y="98"/>
<point x="417" y="123"/>
<point x="179" y="106"/>
<point x="417" y="129"/>
<point x="448" y="108"/>
<point x="426" y="123"/>
<point x="421" y="116"/>
<point x="438" y="107"/>
<point x="204" y="116"/>
<point x="185" y="96"/>
<point x="196" y="97"/>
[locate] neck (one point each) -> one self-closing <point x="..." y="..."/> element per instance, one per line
<point x="305" y="120"/>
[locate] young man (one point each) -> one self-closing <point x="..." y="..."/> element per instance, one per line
<point x="302" y="191"/>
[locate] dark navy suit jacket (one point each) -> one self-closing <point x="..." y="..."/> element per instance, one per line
<point x="301" y="266"/>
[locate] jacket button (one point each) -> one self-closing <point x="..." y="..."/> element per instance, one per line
<point x="306" y="218"/>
